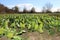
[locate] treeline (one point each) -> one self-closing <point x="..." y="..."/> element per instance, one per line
<point x="45" y="9"/>
<point x="4" y="9"/>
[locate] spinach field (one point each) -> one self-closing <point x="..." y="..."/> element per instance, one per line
<point x="13" y="26"/>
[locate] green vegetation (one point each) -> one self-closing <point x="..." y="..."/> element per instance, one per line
<point x="14" y="25"/>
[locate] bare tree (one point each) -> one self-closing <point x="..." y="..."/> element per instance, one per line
<point x="33" y="10"/>
<point x="47" y="7"/>
<point x="16" y="9"/>
<point x="25" y="10"/>
<point x="43" y="10"/>
<point x="2" y="8"/>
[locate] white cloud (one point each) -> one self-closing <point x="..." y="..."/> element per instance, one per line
<point x="26" y="5"/>
<point x="29" y="6"/>
<point x="37" y="9"/>
<point x="55" y="9"/>
<point x="10" y="6"/>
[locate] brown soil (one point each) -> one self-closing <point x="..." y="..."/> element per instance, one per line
<point x="36" y="36"/>
<point x="4" y="38"/>
<point x="39" y="36"/>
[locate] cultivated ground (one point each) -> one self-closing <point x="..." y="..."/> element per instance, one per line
<point x="36" y="35"/>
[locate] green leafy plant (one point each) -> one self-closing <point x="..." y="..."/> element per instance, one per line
<point x="17" y="38"/>
<point x="2" y="30"/>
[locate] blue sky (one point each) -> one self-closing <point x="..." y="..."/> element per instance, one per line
<point x="38" y="4"/>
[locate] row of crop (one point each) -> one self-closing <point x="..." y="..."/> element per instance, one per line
<point x="11" y="25"/>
